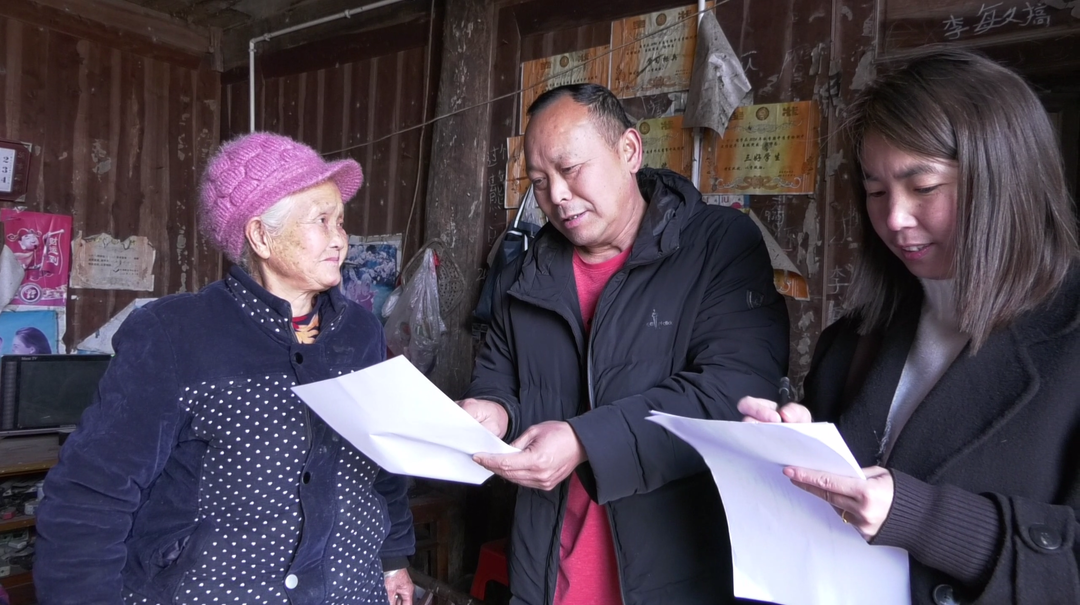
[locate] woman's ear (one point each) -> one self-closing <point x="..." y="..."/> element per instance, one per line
<point x="258" y="238"/>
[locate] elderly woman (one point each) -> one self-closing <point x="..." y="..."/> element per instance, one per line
<point x="198" y="476"/>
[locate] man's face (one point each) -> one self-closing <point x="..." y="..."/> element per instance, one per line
<point x="586" y="188"/>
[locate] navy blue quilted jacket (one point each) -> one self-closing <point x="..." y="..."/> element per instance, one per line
<point x="198" y="476"/>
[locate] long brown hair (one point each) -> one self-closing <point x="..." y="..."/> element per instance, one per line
<point x="1015" y="225"/>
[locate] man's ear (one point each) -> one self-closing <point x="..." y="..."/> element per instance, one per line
<point x="258" y="238"/>
<point x="631" y="149"/>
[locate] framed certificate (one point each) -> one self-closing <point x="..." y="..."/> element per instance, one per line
<point x="14" y="170"/>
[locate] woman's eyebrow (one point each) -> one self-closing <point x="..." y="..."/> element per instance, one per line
<point x="908" y="171"/>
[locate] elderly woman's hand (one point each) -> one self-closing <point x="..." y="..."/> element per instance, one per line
<point x="863" y="504"/>
<point x="399" y="587"/>
<point x="754" y="409"/>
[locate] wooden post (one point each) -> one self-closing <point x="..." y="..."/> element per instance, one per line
<point x="455" y="194"/>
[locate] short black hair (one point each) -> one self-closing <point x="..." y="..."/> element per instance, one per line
<point x="606" y="111"/>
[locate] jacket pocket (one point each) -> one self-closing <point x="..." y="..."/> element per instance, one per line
<point x="163" y="560"/>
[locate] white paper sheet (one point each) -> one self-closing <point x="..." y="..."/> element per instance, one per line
<point x="789" y="546"/>
<point x="398" y="418"/>
<point x="101" y="340"/>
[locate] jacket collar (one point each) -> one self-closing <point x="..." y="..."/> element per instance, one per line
<point x="986" y="390"/>
<point x="272" y="313"/>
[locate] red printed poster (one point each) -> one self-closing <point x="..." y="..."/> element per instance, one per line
<point x="42" y="243"/>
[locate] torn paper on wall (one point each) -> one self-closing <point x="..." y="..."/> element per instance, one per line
<point x="102" y="261"/>
<point x="101" y="340"/>
<point x="718" y="83"/>
<point x="787" y="278"/>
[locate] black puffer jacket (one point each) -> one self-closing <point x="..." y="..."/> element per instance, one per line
<point x="689" y="325"/>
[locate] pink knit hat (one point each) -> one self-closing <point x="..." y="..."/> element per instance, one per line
<point x="253" y="172"/>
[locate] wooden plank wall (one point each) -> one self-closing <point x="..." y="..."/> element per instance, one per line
<point x="792" y="50"/>
<point x="371" y="108"/>
<point x="119" y="141"/>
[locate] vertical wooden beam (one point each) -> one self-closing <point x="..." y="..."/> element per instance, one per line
<point x="455" y="200"/>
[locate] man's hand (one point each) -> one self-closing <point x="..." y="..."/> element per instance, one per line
<point x="488" y="413"/>
<point x="399" y="587"/>
<point x="754" y="409"/>
<point x="863" y="504"/>
<point x="550" y="451"/>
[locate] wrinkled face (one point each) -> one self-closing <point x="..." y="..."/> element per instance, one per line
<point x="306" y="257"/>
<point x="586" y="188"/>
<point x="911" y="201"/>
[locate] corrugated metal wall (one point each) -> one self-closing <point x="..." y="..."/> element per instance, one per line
<point x="119" y="141"/>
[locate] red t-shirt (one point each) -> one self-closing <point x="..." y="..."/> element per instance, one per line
<point x="588" y="570"/>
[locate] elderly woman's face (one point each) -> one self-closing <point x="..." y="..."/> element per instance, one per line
<point x="307" y="256"/>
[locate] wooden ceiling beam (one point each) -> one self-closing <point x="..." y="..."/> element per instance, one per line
<point x="119" y="24"/>
<point x="235" y="40"/>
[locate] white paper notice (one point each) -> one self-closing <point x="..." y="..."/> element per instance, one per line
<point x="789" y="546"/>
<point x="398" y="418"/>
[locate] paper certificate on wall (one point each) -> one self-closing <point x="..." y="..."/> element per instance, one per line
<point x="541" y="75"/>
<point x="767" y="150"/>
<point x="667" y="145"/>
<point x="653" y="53"/>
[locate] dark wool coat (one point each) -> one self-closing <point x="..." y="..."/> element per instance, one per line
<point x="198" y="476"/>
<point x="987" y="470"/>
<point x="688" y="326"/>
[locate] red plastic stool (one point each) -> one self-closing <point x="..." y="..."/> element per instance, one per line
<point x="491" y="568"/>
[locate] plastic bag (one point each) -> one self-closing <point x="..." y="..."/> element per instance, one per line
<point x="414" y="326"/>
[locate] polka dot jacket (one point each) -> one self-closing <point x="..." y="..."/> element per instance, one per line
<point x="199" y="477"/>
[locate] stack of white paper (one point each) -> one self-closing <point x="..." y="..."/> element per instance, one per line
<point x="789" y="546"/>
<point x="398" y="418"/>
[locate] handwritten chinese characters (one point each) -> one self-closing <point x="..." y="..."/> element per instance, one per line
<point x="992" y="16"/>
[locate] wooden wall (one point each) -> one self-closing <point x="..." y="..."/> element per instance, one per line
<point x="365" y="96"/>
<point x="792" y="50"/>
<point x="120" y="137"/>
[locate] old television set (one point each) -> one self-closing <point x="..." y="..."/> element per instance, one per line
<point x="47" y="393"/>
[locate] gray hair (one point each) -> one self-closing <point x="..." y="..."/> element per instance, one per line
<point x="273" y="220"/>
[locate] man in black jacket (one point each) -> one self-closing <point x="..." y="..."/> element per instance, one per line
<point x="635" y="297"/>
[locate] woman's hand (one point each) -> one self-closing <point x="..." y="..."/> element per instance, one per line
<point x="863" y="504"/>
<point x="399" y="587"/>
<point x="763" y="410"/>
